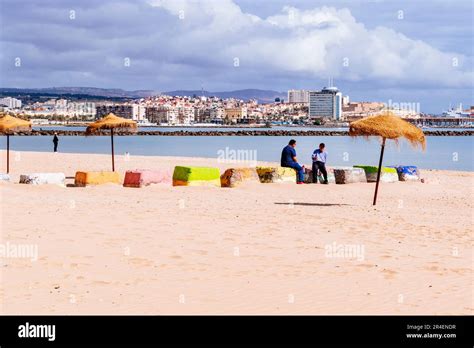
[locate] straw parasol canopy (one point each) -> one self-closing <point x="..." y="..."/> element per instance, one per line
<point x="388" y="126"/>
<point x="112" y="122"/>
<point x="8" y="126"/>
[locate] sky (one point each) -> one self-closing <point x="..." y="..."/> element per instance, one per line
<point x="394" y="51"/>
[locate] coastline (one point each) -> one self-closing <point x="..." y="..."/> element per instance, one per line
<point x="35" y="132"/>
<point x="254" y="249"/>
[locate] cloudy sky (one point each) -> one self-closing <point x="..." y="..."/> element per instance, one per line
<point x="400" y="50"/>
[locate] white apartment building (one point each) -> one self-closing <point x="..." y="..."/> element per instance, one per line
<point x="162" y="114"/>
<point x="345" y="100"/>
<point x="81" y="109"/>
<point x="61" y="103"/>
<point x="170" y="114"/>
<point x="298" y="96"/>
<point x="138" y="112"/>
<point x="185" y="115"/>
<point x="11" y="103"/>
<point x="217" y="114"/>
<point x="326" y="104"/>
<point x="132" y="111"/>
<point x="201" y="114"/>
<point x="50" y="103"/>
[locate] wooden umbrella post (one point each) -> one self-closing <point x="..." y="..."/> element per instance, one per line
<point x="379" y="170"/>
<point x="112" y="142"/>
<point x="8" y="153"/>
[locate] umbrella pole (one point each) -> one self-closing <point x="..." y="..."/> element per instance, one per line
<point x="8" y="153"/>
<point x="379" y="170"/>
<point x="112" y="142"/>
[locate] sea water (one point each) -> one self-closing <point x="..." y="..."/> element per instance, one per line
<point x="442" y="152"/>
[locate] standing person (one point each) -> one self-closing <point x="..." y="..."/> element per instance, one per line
<point x="55" y="142"/>
<point x="288" y="159"/>
<point x="319" y="163"/>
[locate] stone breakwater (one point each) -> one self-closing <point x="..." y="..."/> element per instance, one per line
<point x="286" y="133"/>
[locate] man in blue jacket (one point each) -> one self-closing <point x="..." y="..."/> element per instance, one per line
<point x="319" y="163"/>
<point x="288" y="159"/>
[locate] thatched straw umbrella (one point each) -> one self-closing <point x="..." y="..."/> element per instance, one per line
<point x="111" y="122"/>
<point x="8" y="126"/>
<point x="387" y="126"/>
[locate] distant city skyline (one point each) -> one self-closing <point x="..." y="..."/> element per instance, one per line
<point x="398" y="51"/>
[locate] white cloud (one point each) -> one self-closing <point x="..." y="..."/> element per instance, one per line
<point x="314" y="42"/>
<point x="280" y="48"/>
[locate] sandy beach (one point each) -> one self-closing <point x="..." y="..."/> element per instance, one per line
<point x="255" y="249"/>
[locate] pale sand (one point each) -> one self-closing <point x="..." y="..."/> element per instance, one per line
<point x="190" y="250"/>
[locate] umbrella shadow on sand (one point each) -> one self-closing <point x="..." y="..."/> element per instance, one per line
<point x="312" y="204"/>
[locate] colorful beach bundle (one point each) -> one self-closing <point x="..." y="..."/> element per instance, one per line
<point x="276" y="174"/>
<point x="196" y="176"/>
<point x="387" y="126"/>
<point x="387" y="174"/>
<point x="4" y="177"/>
<point x="83" y="179"/>
<point x="112" y="122"/>
<point x="43" y="178"/>
<point x="233" y="177"/>
<point x="146" y="177"/>
<point x="349" y="175"/>
<point x="8" y="126"/>
<point x="407" y="173"/>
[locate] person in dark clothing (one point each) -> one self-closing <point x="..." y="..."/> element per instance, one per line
<point x="55" y="142"/>
<point x="319" y="163"/>
<point x="288" y="159"/>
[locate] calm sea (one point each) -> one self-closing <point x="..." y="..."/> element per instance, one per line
<point x="225" y="129"/>
<point x="450" y="153"/>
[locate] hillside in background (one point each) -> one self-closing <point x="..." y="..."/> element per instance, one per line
<point x="92" y="91"/>
<point x="263" y="96"/>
